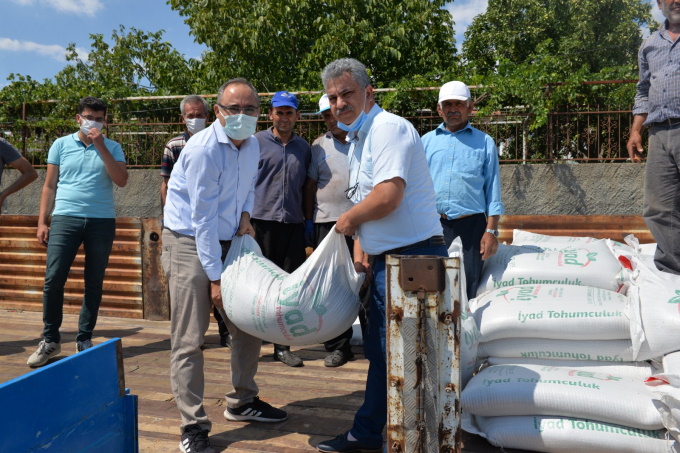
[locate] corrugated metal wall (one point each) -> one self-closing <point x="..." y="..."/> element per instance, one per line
<point x="22" y="269"/>
<point x="135" y="286"/>
<point x="614" y="227"/>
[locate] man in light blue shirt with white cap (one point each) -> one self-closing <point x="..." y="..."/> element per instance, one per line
<point x="464" y="166"/>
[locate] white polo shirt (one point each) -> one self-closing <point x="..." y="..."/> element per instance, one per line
<point x="388" y="146"/>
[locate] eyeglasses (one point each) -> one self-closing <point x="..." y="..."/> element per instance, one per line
<point x="235" y="109"/>
<point x="350" y="191"/>
<point x="99" y="119"/>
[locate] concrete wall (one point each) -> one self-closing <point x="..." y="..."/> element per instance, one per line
<point x="562" y="189"/>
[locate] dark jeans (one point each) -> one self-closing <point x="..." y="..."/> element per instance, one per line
<point x="66" y="235"/>
<point x="470" y="229"/>
<point x="342" y="341"/>
<point x="283" y="244"/>
<point x="662" y="195"/>
<point x="370" y="419"/>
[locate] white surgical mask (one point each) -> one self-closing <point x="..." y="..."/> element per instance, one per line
<point x="195" y="124"/>
<point x="239" y="127"/>
<point x="86" y="125"/>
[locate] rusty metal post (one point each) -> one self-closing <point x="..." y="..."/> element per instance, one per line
<point x="423" y="358"/>
<point x="154" y="284"/>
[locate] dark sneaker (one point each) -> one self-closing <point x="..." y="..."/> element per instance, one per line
<point x="83" y="345"/>
<point x="258" y="410"/>
<point x="342" y="445"/>
<point x="288" y="358"/>
<point x="195" y="440"/>
<point x="44" y="353"/>
<point x="225" y="340"/>
<point x="337" y="358"/>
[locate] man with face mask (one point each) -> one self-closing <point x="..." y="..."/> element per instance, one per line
<point x="657" y="106"/>
<point x="394" y="213"/>
<point x="210" y="198"/>
<point x="194" y="114"/>
<point x="78" y="193"/>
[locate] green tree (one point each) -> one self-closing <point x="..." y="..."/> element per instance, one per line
<point x="536" y="53"/>
<point x="279" y="44"/>
<point x="137" y="63"/>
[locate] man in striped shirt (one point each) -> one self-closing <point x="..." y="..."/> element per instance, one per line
<point x="657" y="106"/>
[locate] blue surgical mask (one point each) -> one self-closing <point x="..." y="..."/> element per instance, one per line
<point x="239" y="127"/>
<point x="358" y="122"/>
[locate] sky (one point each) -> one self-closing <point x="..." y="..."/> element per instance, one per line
<point x="35" y="33"/>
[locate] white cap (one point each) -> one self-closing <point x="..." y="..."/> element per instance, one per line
<point x="454" y="90"/>
<point x="323" y="104"/>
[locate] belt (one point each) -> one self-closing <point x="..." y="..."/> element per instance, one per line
<point x="445" y="217"/>
<point x="431" y="242"/>
<point x="667" y="122"/>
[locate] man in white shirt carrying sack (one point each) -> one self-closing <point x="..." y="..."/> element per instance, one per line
<point x="394" y="212"/>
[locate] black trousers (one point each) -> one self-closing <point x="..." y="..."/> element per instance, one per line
<point x="342" y="341"/>
<point x="283" y="244"/>
<point x="470" y="229"/>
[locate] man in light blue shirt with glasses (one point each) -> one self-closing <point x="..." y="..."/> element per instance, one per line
<point x="464" y="167"/>
<point x="210" y="198"/>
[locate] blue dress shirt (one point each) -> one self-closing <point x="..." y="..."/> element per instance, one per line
<point x="464" y="169"/>
<point x="212" y="184"/>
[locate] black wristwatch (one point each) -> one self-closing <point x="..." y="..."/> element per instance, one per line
<point x="494" y="232"/>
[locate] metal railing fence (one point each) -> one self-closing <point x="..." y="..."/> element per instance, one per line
<point x="591" y="134"/>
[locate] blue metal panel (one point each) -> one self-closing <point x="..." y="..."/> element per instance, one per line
<point x="76" y="404"/>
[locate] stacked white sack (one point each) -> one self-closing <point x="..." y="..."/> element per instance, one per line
<point x="588" y="265"/>
<point x="315" y="303"/>
<point x="505" y="390"/>
<point x="568" y="435"/>
<point x="560" y="312"/>
<point x="633" y="370"/>
<point x="557" y="322"/>
<point x="469" y="333"/>
<point x="655" y="310"/>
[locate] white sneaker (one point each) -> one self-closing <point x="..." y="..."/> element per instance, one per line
<point x="44" y="353"/>
<point x="83" y="345"/>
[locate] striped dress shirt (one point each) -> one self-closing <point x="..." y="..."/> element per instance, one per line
<point x="658" y="91"/>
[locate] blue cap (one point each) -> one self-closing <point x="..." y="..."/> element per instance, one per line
<point x="284" y="99"/>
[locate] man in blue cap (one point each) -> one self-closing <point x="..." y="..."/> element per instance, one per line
<point x="278" y="218"/>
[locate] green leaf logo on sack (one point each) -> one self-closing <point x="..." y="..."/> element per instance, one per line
<point x="576" y="257"/>
<point x="676" y="299"/>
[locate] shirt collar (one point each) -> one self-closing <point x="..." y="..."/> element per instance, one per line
<point x="441" y="129"/>
<point x="276" y="137"/>
<point x="367" y="124"/>
<point x="663" y="31"/>
<point x="329" y="134"/>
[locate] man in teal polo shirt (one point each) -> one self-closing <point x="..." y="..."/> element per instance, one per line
<point x="81" y="171"/>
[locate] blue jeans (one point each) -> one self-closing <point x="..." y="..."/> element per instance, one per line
<point x="66" y="235"/>
<point x="371" y="417"/>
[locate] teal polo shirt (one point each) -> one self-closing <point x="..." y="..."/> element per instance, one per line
<point x="84" y="188"/>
